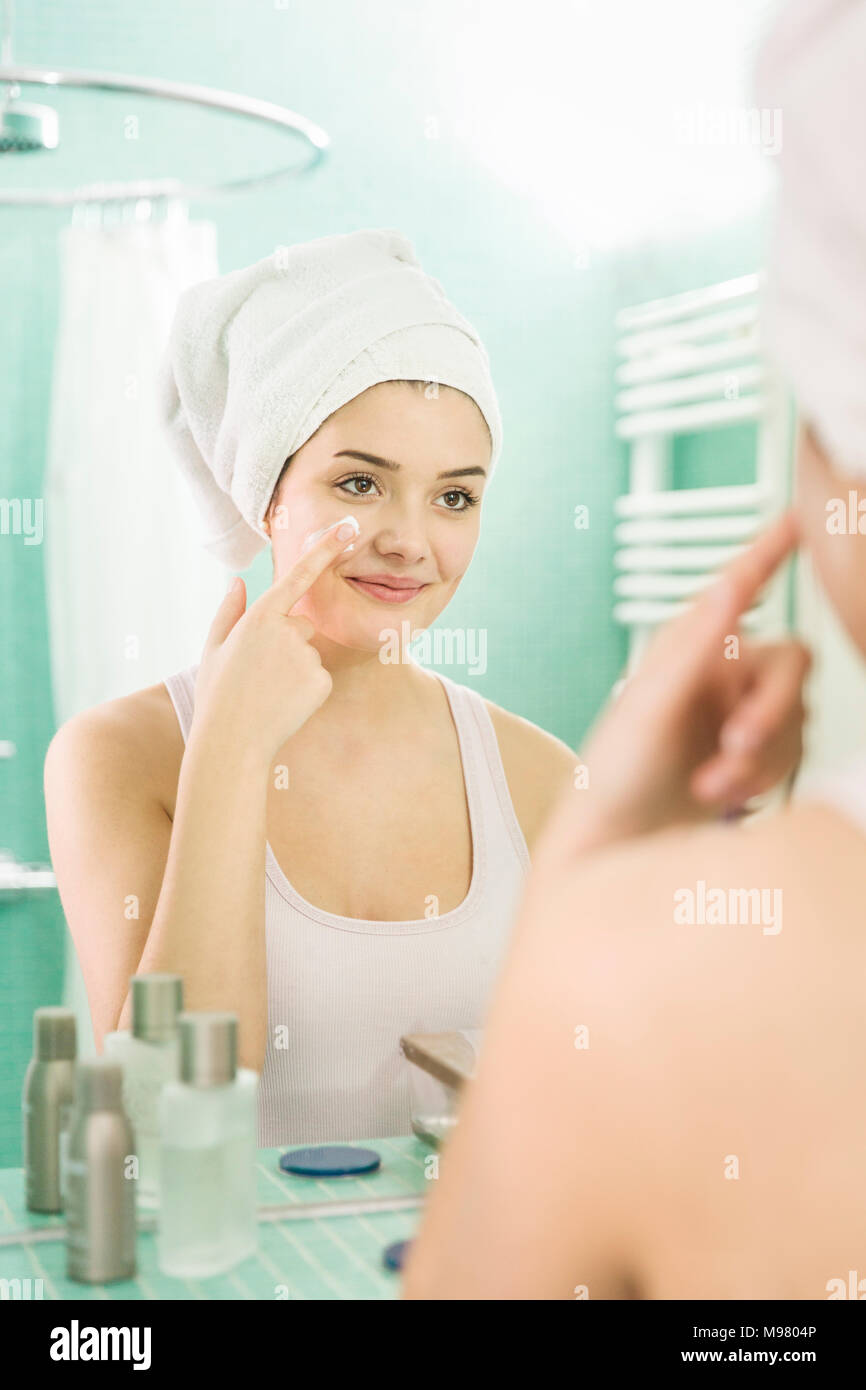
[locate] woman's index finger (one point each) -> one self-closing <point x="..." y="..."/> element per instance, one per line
<point x="739" y="584"/>
<point x="285" y="592"/>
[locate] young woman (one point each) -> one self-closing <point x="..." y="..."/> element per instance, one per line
<point x="326" y="842"/>
<point x="669" y="1100"/>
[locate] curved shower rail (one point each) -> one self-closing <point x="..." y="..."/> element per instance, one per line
<point x="250" y="108"/>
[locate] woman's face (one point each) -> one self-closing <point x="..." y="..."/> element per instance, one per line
<point x="828" y="506"/>
<point x="411" y="469"/>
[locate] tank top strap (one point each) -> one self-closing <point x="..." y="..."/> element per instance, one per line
<point x="181" y="689"/>
<point x="485" y="766"/>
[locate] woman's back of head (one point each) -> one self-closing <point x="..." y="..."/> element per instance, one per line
<point x="812" y="69"/>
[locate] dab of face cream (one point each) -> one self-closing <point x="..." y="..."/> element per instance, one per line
<point x="316" y="535"/>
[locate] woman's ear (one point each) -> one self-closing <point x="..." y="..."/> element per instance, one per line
<point x="268" y="517"/>
<point x="267" y="520"/>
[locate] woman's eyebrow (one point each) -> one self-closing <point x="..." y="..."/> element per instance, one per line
<point x="389" y="463"/>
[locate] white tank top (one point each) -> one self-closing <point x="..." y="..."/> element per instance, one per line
<point x="342" y="991"/>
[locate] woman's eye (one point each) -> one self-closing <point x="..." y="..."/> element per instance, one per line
<point x="457" y="500"/>
<point x="364" y="485"/>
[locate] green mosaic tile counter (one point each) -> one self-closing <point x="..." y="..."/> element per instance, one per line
<point x="310" y="1253"/>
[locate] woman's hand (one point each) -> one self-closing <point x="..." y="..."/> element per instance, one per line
<point x="705" y="723"/>
<point x="761" y="742"/>
<point x="260" y="678"/>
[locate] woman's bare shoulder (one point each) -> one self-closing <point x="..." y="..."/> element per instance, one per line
<point x="712" y="979"/>
<point x="804" y="843"/>
<point x="717" y="896"/>
<point x="538" y="766"/>
<point x="135" y="735"/>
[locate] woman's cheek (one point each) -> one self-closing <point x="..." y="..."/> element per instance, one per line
<point x="328" y="606"/>
<point x="454" y="551"/>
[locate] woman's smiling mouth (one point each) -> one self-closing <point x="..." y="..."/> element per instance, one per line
<point x="386" y="588"/>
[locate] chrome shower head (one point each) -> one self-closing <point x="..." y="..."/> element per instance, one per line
<point x="25" y="128"/>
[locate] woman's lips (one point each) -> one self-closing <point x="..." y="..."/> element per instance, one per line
<point x="385" y="592"/>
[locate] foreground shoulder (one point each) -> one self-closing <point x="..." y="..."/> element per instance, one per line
<point x="711" y="979"/>
<point x="801" y="845"/>
<point x="666" y="908"/>
<point x="537" y="767"/>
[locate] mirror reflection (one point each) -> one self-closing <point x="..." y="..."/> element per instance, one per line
<point x="402" y="486"/>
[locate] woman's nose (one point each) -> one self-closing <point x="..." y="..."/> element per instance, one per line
<point x="409" y="547"/>
<point x="402" y="535"/>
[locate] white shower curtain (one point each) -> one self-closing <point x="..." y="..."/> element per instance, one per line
<point x="130" y="592"/>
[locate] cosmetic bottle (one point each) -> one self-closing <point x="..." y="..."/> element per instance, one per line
<point x="46" y="1105"/>
<point x="148" y="1054"/>
<point x="207" y="1153"/>
<point x="100" y="1188"/>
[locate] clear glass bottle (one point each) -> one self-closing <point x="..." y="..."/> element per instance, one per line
<point x="207" y="1153"/>
<point x="149" y="1055"/>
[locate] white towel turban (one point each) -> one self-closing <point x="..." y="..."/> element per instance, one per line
<point x="812" y="67"/>
<point x="258" y="359"/>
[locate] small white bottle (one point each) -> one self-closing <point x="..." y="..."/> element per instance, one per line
<point x="149" y="1055"/>
<point x="207" y="1153"/>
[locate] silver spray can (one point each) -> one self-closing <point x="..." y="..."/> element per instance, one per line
<point x="46" y="1105"/>
<point x="100" y="1183"/>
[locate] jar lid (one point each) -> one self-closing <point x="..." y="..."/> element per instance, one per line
<point x="54" y="1035"/>
<point x="98" y="1085"/>
<point x="156" y="1002"/>
<point x="208" y="1048"/>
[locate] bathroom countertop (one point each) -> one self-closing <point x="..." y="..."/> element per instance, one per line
<point x="320" y="1255"/>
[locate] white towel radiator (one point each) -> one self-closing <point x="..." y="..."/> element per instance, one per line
<point x="692" y="363"/>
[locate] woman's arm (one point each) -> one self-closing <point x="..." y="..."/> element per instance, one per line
<point x="141" y="894"/>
